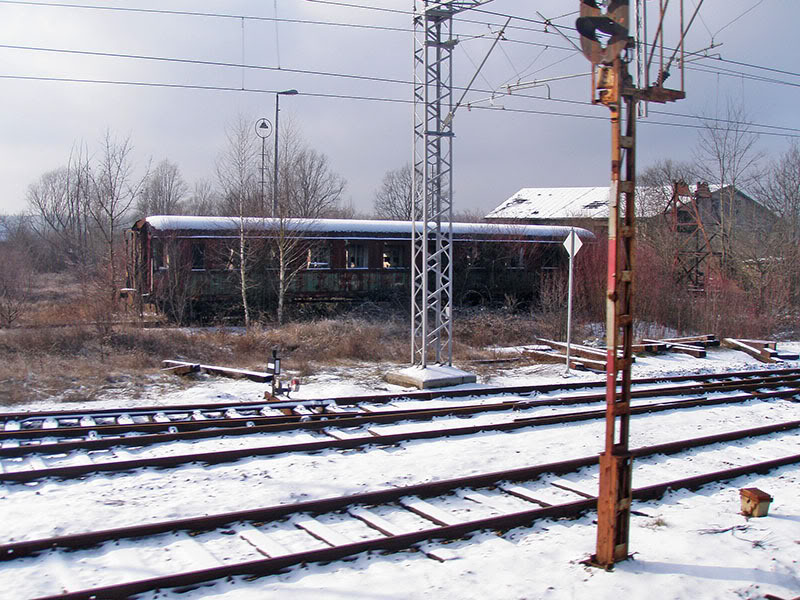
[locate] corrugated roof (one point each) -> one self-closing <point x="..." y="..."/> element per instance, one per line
<point x="554" y="203"/>
<point x="570" y="203"/>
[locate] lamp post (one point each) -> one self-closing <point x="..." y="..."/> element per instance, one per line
<point x="275" y="166"/>
<point x="263" y="130"/>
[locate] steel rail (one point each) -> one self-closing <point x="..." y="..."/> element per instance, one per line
<point x="247" y="425"/>
<point x="376" y="398"/>
<point x="223" y="456"/>
<point x="269" y="566"/>
<point x="87" y="438"/>
<point x="14" y="550"/>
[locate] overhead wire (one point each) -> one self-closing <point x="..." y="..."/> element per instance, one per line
<point x="277" y="36"/>
<point x="358" y="25"/>
<point x="478" y="70"/>
<point x="216" y="15"/>
<point x="200" y="62"/>
<point x="220" y="88"/>
<point x="722" y="71"/>
<point x="752" y="66"/>
<point x="367" y="78"/>
<point x="756" y="5"/>
<point x="362" y="6"/>
<point x="263" y="18"/>
<point x="739" y="74"/>
<point x="703" y="21"/>
<point x="524" y="72"/>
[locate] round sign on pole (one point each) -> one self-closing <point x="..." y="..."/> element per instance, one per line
<point x="263" y="128"/>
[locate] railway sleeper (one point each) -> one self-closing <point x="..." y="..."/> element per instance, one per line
<point x="498" y="479"/>
<point x="374" y="437"/>
<point x="393" y="538"/>
<point x="194" y="428"/>
<point x="31" y="421"/>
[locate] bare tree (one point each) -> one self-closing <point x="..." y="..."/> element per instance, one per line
<point x="175" y="293"/>
<point x="15" y="284"/>
<point x="163" y="191"/>
<point x="236" y="173"/>
<point x="779" y="190"/>
<point x="59" y="203"/>
<point x="113" y="193"/>
<point x="653" y="196"/>
<point x="345" y="210"/>
<point x="47" y="203"/>
<point x="308" y="190"/>
<point x="468" y="215"/>
<point x="312" y="189"/>
<point x="203" y="199"/>
<point x="726" y="154"/>
<point x="655" y="185"/>
<point x="394" y="201"/>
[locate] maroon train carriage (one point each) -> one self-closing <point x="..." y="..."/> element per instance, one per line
<point x="189" y="266"/>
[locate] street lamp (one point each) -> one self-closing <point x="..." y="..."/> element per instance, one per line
<point x="275" y="166"/>
<point x="263" y="130"/>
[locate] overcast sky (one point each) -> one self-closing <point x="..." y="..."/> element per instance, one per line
<point x="334" y="53"/>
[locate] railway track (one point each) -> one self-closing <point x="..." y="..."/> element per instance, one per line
<point x="70" y="459"/>
<point x="177" y="418"/>
<point x="268" y="540"/>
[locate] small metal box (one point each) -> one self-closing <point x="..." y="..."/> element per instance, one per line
<point x="755" y="502"/>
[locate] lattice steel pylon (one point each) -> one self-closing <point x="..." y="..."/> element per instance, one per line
<point x="431" y="245"/>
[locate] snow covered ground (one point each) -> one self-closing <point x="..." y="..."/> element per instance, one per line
<point x="689" y="545"/>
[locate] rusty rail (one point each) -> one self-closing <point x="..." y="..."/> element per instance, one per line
<point x="16" y="550"/>
<point x="224" y="456"/>
<point x="380" y="398"/>
<point x="198" y="429"/>
<point x="270" y="566"/>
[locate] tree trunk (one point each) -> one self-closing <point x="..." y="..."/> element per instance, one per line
<point x="281" y="283"/>
<point x="243" y="275"/>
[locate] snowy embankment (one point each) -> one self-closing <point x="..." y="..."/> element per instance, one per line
<point x="689" y="544"/>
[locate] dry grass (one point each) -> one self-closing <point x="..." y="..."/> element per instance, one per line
<point x="79" y="364"/>
<point x="84" y="362"/>
<point x="59" y="352"/>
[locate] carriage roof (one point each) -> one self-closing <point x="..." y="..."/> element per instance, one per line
<point x="191" y="226"/>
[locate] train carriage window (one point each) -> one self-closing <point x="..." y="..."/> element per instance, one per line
<point x="517" y="259"/>
<point x="395" y="256"/>
<point x="357" y="256"/>
<point x="319" y="256"/>
<point x="472" y="255"/>
<point x="157" y="251"/>
<point x="198" y="256"/>
<point x="469" y="256"/>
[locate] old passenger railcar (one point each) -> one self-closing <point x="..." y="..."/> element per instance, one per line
<point x="189" y="266"/>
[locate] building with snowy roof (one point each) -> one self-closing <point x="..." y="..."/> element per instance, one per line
<point x="588" y="207"/>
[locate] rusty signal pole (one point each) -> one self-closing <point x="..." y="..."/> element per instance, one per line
<point x="612" y="86"/>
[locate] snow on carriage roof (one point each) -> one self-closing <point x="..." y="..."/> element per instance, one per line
<point x="190" y="223"/>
